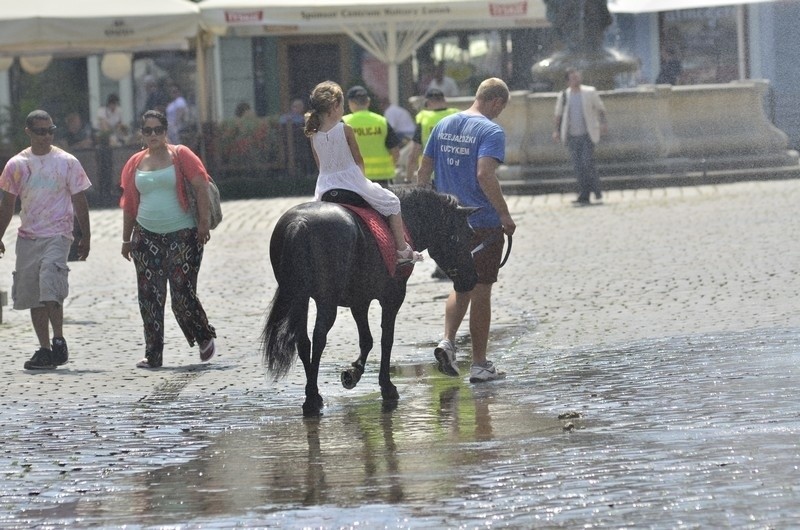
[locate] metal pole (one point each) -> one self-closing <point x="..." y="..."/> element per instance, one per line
<point x="741" y="41"/>
<point x="391" y="56"/>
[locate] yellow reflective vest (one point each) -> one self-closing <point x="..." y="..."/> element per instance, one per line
<point x="371" y="131"/>
<point x="427" y="120"/>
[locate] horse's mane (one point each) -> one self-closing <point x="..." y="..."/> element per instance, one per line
<point x="427" y="194"/>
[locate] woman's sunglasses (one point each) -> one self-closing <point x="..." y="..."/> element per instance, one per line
<point x="158" y="130"/>
<point x="43" y="131"/>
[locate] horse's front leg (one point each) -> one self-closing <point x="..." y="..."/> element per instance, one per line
<point x="352" y="375"/>
<point x="326" y="316"/>
<point x="388" y="316"/>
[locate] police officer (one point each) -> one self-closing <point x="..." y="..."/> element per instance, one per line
<point x="377" y="141"/>
<point x="435" y="109"/>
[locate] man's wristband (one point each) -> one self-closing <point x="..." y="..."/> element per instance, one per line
<point x="125" y="242"/>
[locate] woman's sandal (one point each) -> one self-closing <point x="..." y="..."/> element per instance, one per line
<point x="149" y="363"/>
<point x="207" y="351"/>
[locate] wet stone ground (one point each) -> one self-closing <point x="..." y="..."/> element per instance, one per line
<point x="691" y="431"/>
<point x="652" y="383"/>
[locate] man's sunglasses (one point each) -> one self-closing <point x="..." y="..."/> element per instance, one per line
<point x="157" y="130"/>
<point x="43" y="131"/>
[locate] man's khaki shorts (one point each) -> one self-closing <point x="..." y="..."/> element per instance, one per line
<point x="42" y="271"/>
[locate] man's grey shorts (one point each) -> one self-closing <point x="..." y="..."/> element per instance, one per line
<point x="42" y="271"/>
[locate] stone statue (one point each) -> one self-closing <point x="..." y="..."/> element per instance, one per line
<point x="579" y="24"/>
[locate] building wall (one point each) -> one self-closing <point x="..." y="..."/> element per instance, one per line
<point x="255" y="70"/>
<point x="236" y="72"/>
<point x="266" y="83"/>
<point x="779" y="61"/>
<point x="773" y="55"/>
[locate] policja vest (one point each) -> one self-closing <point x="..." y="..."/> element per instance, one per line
<point x="427" y="119"/>
<point x="371" y="131"/>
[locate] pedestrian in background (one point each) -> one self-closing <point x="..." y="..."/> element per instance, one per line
<point x="435" y="108"/>
<point x="244" y="111"/>
<point x="670" y="67"/>
<point x="295" y="115"/>
<point x="443" y="82"/>
<point x="164" y="239"/>
<point x="76" y="134"/>
<point x="156" y="97"/>
<point x="377" y="141"/>
<point x="341" y="166"/>
<point x="177" y="114"/>
<point x="402" y="123"/>
<point x="297" y="145"/>
<point x="111" y="132"/>
<point x="109" y="122"/>
<point x="465" y="149"/>
<point x="579" y="122"/>
<point x="400" y="120"/>
<point x="50" y="184"/>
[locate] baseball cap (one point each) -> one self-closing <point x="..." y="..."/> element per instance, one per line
<point x="434" y="93"/>
<point x="357" y="91"/>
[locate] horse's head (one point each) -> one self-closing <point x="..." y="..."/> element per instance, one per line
<point x="441" y="226"/>
<point x="452" y="250"/>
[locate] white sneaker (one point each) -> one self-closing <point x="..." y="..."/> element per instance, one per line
<point x="445" y="354"/>
<point x="480" y="373"/>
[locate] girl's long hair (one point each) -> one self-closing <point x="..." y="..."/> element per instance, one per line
<point x="323" y="99"/>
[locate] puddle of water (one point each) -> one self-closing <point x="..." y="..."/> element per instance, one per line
<point x="698" y="431"/>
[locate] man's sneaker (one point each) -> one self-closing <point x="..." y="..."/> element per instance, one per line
<point x="41" y="360"/>
<point x="60" y="351"/>
<point x="445" y="354"/>
<point x="480" y="373"/>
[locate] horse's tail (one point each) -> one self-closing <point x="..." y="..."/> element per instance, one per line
<point x="279" y="338"/>
<point x="289" y="307"/>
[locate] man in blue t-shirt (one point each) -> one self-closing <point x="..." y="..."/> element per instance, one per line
<point x="465" y="150"/>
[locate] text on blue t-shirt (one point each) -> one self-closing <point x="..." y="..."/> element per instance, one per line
<point x="455" y="145"/>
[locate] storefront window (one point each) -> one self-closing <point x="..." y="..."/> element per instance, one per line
<point x="469" y="57"/>
<point x="703" y="41"/>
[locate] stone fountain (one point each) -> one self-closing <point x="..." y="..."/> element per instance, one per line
<point x="656" y="132"/>
<point x="579" y="26"/>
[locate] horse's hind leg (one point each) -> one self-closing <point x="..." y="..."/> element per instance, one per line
<point x="352" y="375"/>
<point x="326" y="316"/>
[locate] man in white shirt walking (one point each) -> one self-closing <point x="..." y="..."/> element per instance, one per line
<point x="580" y="120"/>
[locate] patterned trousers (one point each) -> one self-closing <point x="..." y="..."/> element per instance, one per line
<point x="173" y="259"/>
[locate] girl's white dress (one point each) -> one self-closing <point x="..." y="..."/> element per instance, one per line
<point x="337" y="169"/>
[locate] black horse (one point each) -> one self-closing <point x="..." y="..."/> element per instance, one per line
<point x="323" y="251"/>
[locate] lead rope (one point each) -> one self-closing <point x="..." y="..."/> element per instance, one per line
<point x="491" y="240"/>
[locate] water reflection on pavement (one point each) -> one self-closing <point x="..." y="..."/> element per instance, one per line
<point x="691" y="431"/>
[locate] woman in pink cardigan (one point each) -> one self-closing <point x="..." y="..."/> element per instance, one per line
<point x="164" y="239"/>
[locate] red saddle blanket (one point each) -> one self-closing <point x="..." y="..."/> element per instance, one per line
<point x="383" y="237"/>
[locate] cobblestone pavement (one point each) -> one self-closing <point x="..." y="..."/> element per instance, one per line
<point x="616" y="308"/>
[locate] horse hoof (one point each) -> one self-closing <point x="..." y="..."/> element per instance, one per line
<point x="350" y="378"/>
<point x="313" y="407"/>
<point x="390" y="393"/>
